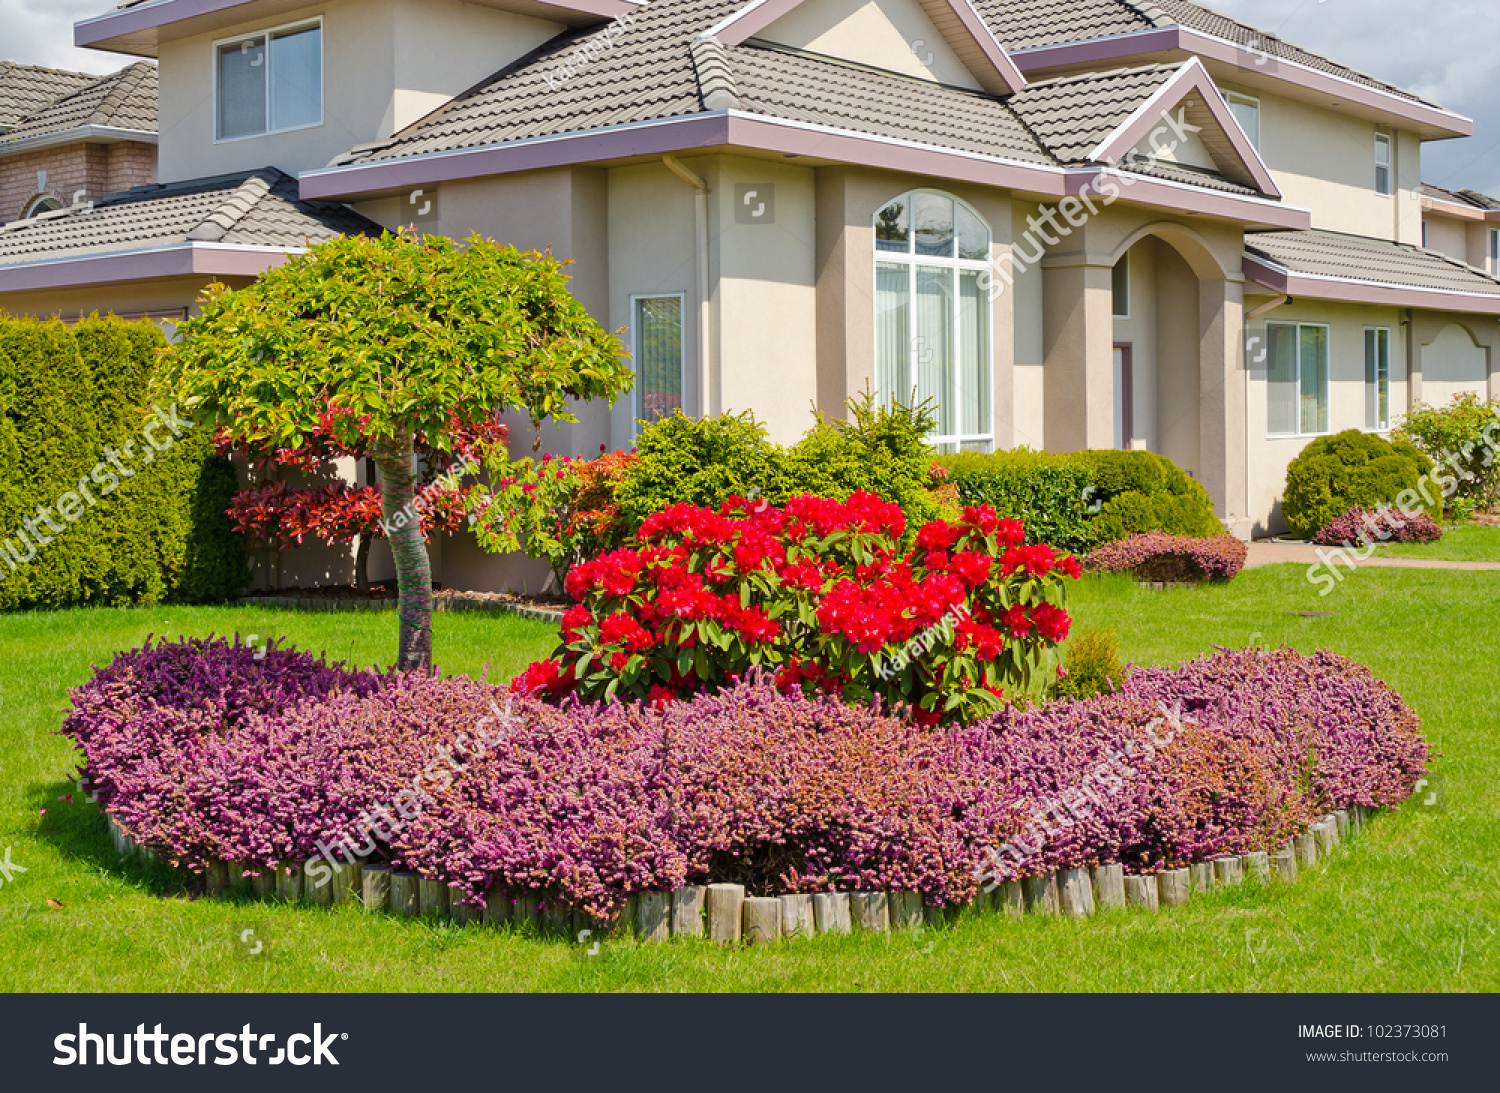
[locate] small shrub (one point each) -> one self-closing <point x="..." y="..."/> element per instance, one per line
<point x="822" y="594"/>
<point x="1385" y="525"/>
<point x="1091" y="665"/>
<point x="1350" y="470"/>
<point x="205" y="753"/>
<point x="702" y="462"/>
<point x="1467" y="432"/>
<point x="1172" y="558"/>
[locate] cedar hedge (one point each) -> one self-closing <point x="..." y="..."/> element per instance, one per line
<point x="152" y="526"/>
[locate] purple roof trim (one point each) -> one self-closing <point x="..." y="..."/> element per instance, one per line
<point x="1167" y="39"/>
<point x="1139" y="189"/>
<point x="185" y="260"/>
<point x="1284" y="282"/>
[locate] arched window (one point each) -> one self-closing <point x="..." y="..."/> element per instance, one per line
<point x="932" y="314"/>
<point x="44" y="204"/>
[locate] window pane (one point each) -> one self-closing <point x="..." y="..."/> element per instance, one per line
<point x="891" y="231"/>
<point x="1377" y="378"/>
<point x="1314" y="366"/>
<point x="932" y="220"/>
<point x="893" y="332"/>
<point x="658" y="360"/>
<point x="1281" y="378"/>
<point x="973" y="236"/>
<point x="1247" y="113"/>
<point x="1383" y="398"/>
<point x="973" y="355"/>
<point x="1122" y="287"/>
<point x="242" y="88"/>
<point x="297" y="78"/>
<point x="934" y="344"/>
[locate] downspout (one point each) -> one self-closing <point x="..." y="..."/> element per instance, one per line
<point x="700" y="208"/>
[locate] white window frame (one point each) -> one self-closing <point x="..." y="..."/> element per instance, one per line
<point x="635" y="349"/>
<point x="268" y="33"/>
<point x="1378" y="425"/>
<point x="1383" y="140"/>
<point x="1129" y="294"/>
<point x="1327" y="381"/>
<point x="1233" y="97"/>
<point x="912" y="261"/>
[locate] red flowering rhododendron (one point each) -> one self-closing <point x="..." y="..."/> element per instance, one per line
<point x="819" y="594"/>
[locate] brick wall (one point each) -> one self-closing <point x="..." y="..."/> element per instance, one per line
<point x="95" y="169"/>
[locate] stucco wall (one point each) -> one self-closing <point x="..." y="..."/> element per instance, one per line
<point x="1325" y="161"/>
<point x="1028" y="380"/>
<point x="890" y="34"/>
<point x="1453" y="362"/>
<point x="386" y="63"/>
<point x="1269" y="457"/>
<point x="1450" y="237"/>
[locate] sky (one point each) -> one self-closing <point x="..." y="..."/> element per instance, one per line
<point x="1444" y="50"/>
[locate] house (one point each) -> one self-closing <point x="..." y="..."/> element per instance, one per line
<point x="68" y="138"/>
<point x="1070" y="223"/>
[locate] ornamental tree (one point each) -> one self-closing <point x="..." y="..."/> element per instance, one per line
<point x="377" y="342"/>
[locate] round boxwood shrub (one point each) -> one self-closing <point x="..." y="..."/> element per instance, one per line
<point x="1352" y="470"/>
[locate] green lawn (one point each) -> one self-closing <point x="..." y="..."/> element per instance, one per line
<point x="1461" y="544"/>
<point x="1411" y="906"/>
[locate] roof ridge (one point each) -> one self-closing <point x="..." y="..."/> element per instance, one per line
<point x="245" y="197"/>
<point x="126" y="82"/>
<point x="1079" y="77"/>
<point x="1150" y="12"/>
<point x="716" y="83"/>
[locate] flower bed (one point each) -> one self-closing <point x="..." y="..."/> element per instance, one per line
<point x="1387" y="525"/>
<point x="1172" y="558"/>
<point x="205" y="754"/>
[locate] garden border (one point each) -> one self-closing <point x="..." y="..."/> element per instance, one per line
<point x="724" y="913"/>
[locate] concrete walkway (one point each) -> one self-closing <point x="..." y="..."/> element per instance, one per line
<point x="1271" y="553"/>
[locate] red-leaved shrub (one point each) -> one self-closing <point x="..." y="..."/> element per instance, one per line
<point x="1387" y="525"/>
<point x="1157" y="557"/>
<point x="819" y="593"/>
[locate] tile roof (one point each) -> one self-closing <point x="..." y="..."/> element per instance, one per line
<point x="1074" y="114"/>
<point x="123" y="100"/>
<point x="25" y="89"/>
<point x="1484" y="201"/>
<point x="255" y="208"/>
<point x="1357" y="258"/>
<point x="1026" y="24"/>
<point x="1427" y="189"/>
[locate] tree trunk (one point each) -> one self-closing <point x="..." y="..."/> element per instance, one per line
<point x="403" y="529"/>
<point x="362" y="562"/>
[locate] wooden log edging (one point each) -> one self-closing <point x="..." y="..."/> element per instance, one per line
<point x="727" y="914"/>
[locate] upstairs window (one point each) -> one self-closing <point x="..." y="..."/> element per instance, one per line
<point x="1246" y="111"/>
<point x="932" y="314"/>
<point x="269" y="82"/>
<point x="1382" y="164"/>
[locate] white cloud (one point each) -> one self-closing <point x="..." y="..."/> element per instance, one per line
<point x="40" y="32"/>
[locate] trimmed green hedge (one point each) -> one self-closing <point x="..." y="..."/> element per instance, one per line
<point x="1355" y="470"/>
<point x="146" y="525"/>
<point x="1079" y="500"/>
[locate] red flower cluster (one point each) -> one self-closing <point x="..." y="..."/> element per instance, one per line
<point x="820" y="593"/>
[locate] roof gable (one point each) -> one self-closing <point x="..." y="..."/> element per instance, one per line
<point x="944" y="41"/>
<point x="122" y="100"/>
<point x="1188" y="123"/>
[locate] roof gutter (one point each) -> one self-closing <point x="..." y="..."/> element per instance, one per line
<point x="1318" y="286"/>
<point x="79" y="134"/>
<point x="146" y="264"/>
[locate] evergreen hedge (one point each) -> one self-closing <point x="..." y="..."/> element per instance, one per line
<point x="158" y="533"/>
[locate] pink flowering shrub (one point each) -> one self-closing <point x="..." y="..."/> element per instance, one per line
<point x="1156" y="557"/>
<point x="821" y="594"/>
<point x="204" y="753"/>
<point x="1361" y="527"/>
